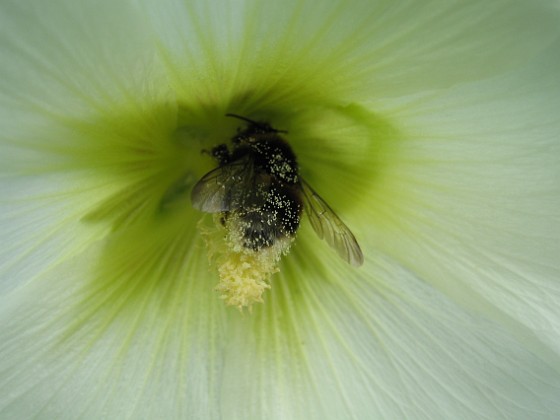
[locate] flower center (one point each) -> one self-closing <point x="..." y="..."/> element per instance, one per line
<point x="257" y="197"/>
<point x="151" y="216"/>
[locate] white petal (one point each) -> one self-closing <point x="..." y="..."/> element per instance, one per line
<point x="252" y="55"/>
<point x="116" y="334"/>
<point x="472" y="196"/>
<point x="379" y="343"/>
<point x="84" y="119"/>
<point x="68" y="59"/>
<point x="40" y="219"/>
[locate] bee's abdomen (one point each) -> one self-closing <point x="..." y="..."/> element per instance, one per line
<point x="279" y="217"/>
<point x="259" y="232"/>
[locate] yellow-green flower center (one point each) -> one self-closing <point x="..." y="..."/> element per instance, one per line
<point x="152" y="172"/>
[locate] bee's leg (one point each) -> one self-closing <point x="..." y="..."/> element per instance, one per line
<point x="224" y="217"/>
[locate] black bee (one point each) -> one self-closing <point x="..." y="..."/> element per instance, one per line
<point x="258" y="184"/>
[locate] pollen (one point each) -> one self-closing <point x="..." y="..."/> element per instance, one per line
<point x="243" y="279"/>
<point x="244" y="273"/>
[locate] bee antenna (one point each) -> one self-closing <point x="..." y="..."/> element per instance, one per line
<point x="240" y="117"/>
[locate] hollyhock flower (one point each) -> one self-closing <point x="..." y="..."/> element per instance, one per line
<point x="431" y="128"/>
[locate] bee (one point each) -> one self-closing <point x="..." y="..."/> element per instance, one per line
<point x="257" y="183"/>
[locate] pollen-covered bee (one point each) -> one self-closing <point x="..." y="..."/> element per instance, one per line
<point x="257" y="184"/>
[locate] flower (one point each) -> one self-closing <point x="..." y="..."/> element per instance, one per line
<point x="431" y="127"/>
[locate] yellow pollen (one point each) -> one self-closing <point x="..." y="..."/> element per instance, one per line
<point x="244" y="273"/>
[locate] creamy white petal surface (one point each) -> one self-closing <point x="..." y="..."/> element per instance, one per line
<point x="383" y="344"/>
<point x="479" y="172"/>
<point x="81" y="106"/>
<point x="350" y="51"/>
<point x="432" y="128"/>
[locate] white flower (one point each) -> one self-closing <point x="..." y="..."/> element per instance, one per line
<point x="431" y="127"/>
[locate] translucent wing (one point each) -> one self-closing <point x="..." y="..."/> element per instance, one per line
<point x="230" y="187"/>
<point x="329" y="227"/>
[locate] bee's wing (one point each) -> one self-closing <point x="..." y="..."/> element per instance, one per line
<point x="329" y="227"/>
<point x="229" y="187"/>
